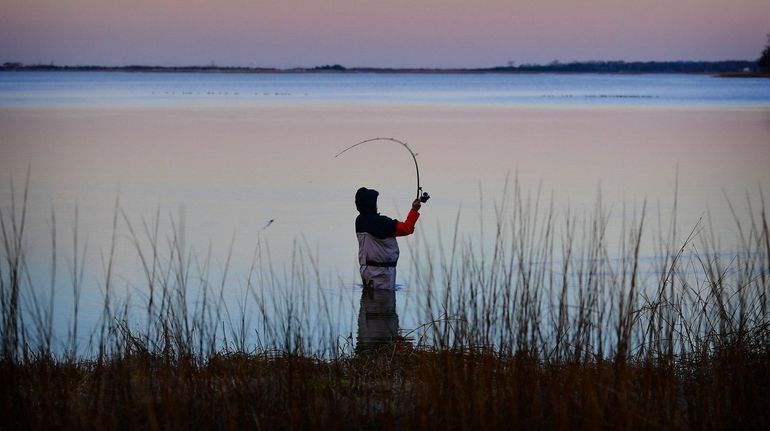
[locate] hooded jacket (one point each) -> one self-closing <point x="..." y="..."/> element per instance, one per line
<point x="377" y="247"/>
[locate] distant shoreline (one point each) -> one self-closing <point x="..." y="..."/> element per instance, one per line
<point x="731" y="68"/>
<point x="744" y="75"/>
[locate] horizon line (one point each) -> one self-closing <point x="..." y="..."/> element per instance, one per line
<point x="339" y="66"/>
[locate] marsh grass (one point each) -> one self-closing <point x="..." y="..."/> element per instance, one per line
<point x="560" y="321"/>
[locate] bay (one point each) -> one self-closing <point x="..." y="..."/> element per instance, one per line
<point x="216" y="157"/>
<point x="103" y="89"/>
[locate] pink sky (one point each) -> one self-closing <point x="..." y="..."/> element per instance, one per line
<point x="421" y="33"/>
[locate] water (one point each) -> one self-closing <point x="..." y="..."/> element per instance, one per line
<point x="106" y="89"/>
<point x="217" y="156"/>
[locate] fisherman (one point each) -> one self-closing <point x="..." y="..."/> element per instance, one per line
<point x="377" y="246"/>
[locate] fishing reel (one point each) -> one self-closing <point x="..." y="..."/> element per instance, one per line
<point x="424" y="198"/>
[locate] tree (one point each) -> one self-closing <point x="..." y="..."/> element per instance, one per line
<point x="764" y="60"/>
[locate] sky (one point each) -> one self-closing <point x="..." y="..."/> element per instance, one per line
<point x="378" y="33"/>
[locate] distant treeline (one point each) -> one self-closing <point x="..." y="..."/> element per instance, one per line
<point x="10" y="66"/>
<point x="730" y="66"/>
<point x="637" y="67"/>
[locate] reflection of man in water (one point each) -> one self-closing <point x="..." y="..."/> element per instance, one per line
<point x="377" y="319"/>
<point x="377" y="246"/>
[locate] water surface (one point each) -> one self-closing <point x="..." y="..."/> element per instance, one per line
<point x="218" y="156"/>
<point x="116" y="89"/>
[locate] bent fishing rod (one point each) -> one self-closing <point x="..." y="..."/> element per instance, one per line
<point x="422" y="197"/>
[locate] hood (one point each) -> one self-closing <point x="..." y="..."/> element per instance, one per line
<point x="366" y="200"/>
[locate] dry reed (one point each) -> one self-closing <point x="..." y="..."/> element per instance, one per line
<point x="560" y="323"/>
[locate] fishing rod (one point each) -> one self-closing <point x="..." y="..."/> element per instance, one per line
<point x="422" y="197"/>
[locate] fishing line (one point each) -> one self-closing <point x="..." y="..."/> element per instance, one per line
<point x="425" y="196"/>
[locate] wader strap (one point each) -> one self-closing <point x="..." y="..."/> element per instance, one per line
<point x="381" y="264"/>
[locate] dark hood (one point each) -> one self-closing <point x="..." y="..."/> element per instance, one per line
<point x="366" y="200"/>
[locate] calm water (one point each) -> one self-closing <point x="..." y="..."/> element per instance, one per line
<point x="95" y="89"/>
<point x="221" y="155"/>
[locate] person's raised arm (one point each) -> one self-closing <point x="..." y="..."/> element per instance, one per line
<point x="407" y="226"/>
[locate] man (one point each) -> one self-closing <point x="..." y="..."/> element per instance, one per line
<point x="377" y="246"/>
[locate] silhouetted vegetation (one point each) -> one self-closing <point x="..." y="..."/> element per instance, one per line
<point x="707" y="67"/>
<point x="550" y="326"/>
<point x="10" y="66"/>
<point x="336" y="68"/>
<point x="764" y="60"/>
<point x="636" y="67"/>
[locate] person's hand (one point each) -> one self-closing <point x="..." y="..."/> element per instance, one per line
<point x="416" y="205"/>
